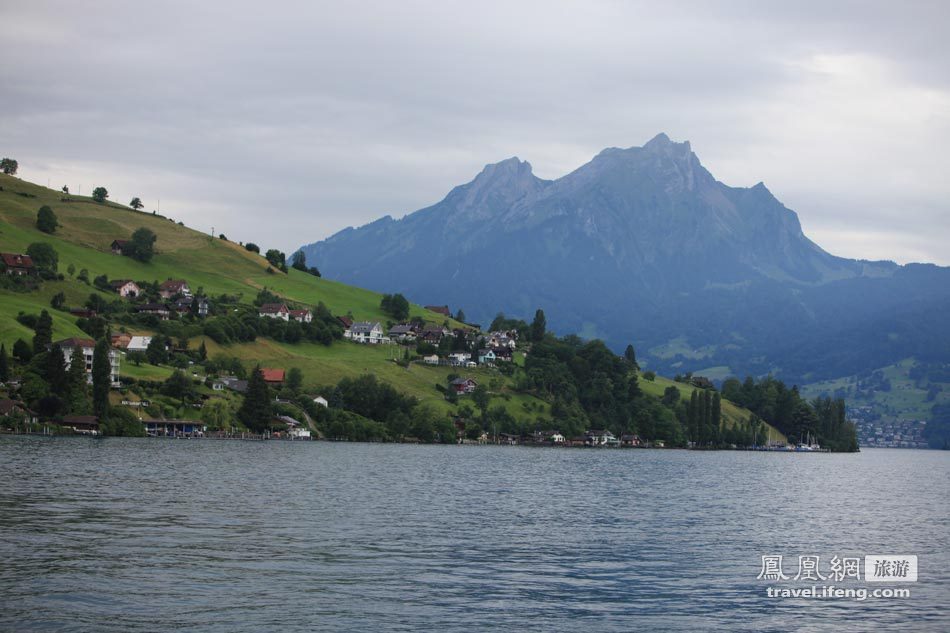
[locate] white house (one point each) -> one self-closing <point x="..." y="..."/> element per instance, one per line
<point x="431" y="360"/>
<point x="601" y="437"/>
<point x="365" y="332"/>
<point x="320" y="400"/>
<point x="459" y="359"/>
<point x="303" y="316"/>
<point x="88" y="347"/>
<point x="138" y="344"/>
<point x="126" y="288"/>
<point x="274" y="311"/>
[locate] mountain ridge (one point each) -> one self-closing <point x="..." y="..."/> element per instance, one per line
<point x="633" y="237"/>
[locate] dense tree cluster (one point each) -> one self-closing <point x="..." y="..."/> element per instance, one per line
<point x="396" y="306"/>
<point x="784" y="408"/>
<point x="590" y="386"/>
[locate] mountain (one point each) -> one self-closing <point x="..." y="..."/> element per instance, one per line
<point x="643" y="245"/>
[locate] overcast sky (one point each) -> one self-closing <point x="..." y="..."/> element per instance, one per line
<point x="282" y="123"/>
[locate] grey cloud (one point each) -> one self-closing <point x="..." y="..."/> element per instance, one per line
<point x="332" y="114"/>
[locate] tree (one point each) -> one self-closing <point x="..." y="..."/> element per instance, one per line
<point x="217" y="414"/>
<point x="66" y="189"/>
<point x="692" y="418"/>
<point x="44" y="332"/>
<point x="252" y="247"/>
<point x="136" y="358"/>
<point x="460" y="316"/>
<point x="142" y="244"/>
<point x="22" y="351"/>
<point x="631" y="355"/>
<point x="58" y="301"/>
<point x="276" y="258"/>
<point x="9" y="166"/>
<point x="156" y="352"/>
<point x="101" y="378"/>
<point x="56" y="370"/>
<point x="397" y="306"/>
<point x="4" y="364"/>
<point x="481" y="397"/>
<point x="121" y="422"/>
<point x="203" y="352"/>
<point x="257" y="410"/>
<point x="44" y="256"/>
<point x="538" y="326"/>
<point x="136" y="203"/>
<point x="46" y="219"/>
<point x="99" y="194"/>
<point x="294" y="380"/>
<point x="178" y="385"/>
<point x="76" y="385"/>
<point x="299" y="261"/>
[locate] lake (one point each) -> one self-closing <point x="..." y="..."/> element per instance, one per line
<point x="151" y="535"/>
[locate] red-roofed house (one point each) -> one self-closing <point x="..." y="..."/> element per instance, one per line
<point x="443" y="310"/>
<point x="274" y="311"/>
<point x="304" y="316"/>
<point x="172" y="287"/>
<point x="272" y="376"/>
<point x="17" y="264"/>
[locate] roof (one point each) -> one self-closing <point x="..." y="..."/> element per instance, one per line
<point x="173" y="284"/>
<point x="16" y="260"/>
<point x="235" y="384"/>
<point x="76" y="342"/>
<point x="152" y="306"/>
<point x="118" y="283"/>
<point x="365" y="326"/>
<point x="463" y="381"/>
<point x="439" y="309"/>
<point x="121" y="243"/>
<point x="401" y="329"/>
<point x="346" y="321"/>
<point x="7" y="406"/>
<point x="81" y="419"/>
<point x="273" y="308"/>
<point x="272" y="375"/>
<point x="299" y="312"/>
<point x="139" y="342"/>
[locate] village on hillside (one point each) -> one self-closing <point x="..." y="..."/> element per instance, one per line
<point x="133" y="320"/>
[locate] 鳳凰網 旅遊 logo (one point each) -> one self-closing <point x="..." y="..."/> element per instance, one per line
<point x="886" y="568"/>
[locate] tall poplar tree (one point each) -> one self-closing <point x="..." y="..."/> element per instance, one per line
<point x="257" y="410"/>
<point x="77" y="386"/>
<point x="4" y="364"/>
<point x="101" y="378"/>
<point x="44" y="332"/>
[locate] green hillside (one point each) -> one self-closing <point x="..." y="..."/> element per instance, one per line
<point x="83" y="240"/>
<point x="906" y="390"/>
<point x="217" y="266"/>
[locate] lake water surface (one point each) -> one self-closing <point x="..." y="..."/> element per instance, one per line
<point x="153" y="535"/>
